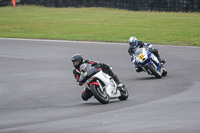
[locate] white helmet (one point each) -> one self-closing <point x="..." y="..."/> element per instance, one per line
<point x="133" y="42"/>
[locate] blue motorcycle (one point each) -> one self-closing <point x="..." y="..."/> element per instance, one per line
<point x="149" y="62"/>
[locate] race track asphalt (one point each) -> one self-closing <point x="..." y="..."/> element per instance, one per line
<point x="38" y="93"/>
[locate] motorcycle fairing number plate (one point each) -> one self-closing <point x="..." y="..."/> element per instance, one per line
<point x="85" y="74"/>
<point x="141" y="56"/>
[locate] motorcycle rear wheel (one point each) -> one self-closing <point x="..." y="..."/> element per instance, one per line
<point x="101" y="96"/>
<point x="164" y="71"/>
<point x="124" y="93"/>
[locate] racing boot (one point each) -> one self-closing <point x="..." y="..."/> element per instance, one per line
<point x="120" y="86"/>
<point x="138" y="68"/>
<point x="119" y="83"/>
<point x="155" y="52"/>
<point x="108" y="70"/>
<point x="161" y="60"/>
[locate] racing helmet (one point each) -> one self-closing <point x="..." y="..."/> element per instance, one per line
<point x="77" y="60"/>
<point x="133" y="42"/>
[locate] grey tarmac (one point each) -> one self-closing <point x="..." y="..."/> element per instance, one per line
<point x="38" y="93"/>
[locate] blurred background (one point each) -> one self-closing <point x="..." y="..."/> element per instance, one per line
<point x="135" y="5"/>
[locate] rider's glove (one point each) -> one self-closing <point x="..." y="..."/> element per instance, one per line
<point x="133" y="58"/>
<point x="79" y="83"/>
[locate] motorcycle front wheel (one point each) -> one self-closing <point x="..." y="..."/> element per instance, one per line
<point x="100" y="95"/>
<point x="154" y="71"/>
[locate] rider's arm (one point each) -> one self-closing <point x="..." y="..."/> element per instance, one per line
<point x="93" y="63"/>
<point x="76" y="74"/>
<point x="130" y="51"/>
<point x="133" y="58"/>
<point x="148" y="46"/>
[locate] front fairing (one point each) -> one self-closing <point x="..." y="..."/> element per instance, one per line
<point x="142" y="55"/>
<point x="107" y="83"/>
<point x="87" y="71"/>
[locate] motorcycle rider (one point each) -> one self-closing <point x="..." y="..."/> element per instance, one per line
<point x="77" y="60"/>
<point x="134" y="43"/>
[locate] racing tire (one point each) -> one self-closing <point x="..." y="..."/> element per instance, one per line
<point x="154" y="71"/>
<point x="124" y="93"/>
<point x="100" y="95"/>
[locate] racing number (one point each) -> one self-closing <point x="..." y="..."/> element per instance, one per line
<point x="141" y="56"/>
<point x="85" y="74"/>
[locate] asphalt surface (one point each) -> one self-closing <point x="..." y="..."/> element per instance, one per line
<point x="38" y="93"/>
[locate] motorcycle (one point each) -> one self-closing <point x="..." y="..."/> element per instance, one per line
<point x="149" y="62"/>
<point x="101" y="84"/>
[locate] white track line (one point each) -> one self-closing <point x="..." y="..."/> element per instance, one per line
<point x="88" y="42"/>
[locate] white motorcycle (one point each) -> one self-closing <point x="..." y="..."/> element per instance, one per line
<point x="149" y="62"/>
<point x="101" y="84"/>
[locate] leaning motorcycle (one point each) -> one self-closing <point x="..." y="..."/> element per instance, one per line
<point x="149" y="62"/>
<point x="101" y="84"/>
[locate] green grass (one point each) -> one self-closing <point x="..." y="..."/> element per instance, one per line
<point x="100" y="24"/>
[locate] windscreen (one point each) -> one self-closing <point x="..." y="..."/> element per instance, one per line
<point x="138" y="51"/>
<point x="85" y="67"/>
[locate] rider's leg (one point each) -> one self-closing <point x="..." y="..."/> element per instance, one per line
<point x="155" y="52"/>
<point x="86" y="94"/>
<point x="107" y="70"/>
<point x="138" y="68"/>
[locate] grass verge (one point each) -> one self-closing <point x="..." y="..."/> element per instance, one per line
<point x="100" y="24"/>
